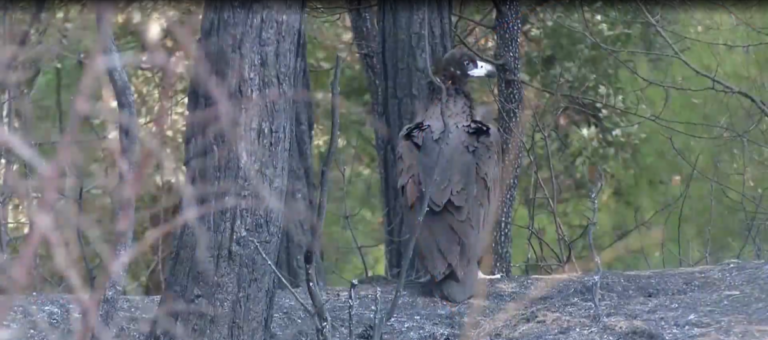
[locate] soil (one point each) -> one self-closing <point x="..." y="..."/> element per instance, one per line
<point x="725" y="301"/>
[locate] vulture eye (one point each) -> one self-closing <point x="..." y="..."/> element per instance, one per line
<point x="467" y="63"/>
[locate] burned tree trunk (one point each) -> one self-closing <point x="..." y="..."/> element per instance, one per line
<point x="403" y="83"/>
<point x="300" y="197"/>
<point x="239" y="131"/>
<point x="510" y="107"/>
<point x="366" y="37"/>
<point x="362" y="18"/>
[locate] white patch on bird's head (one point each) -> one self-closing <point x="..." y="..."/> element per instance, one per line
<point x="483" y="69"/>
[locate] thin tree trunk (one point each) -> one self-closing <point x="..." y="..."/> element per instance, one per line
<point x="510" y="107"/>
<point x="6" y="193"/>
<point x="124" y="196"/>
<point x="238" y="137"/>
<point x="7" y="120"/>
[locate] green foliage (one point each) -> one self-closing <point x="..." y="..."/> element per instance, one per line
<point x="356" y="204"/>
<point x="642" y="155"/>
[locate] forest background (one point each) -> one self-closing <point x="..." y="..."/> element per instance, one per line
<point x="670" y="117"/>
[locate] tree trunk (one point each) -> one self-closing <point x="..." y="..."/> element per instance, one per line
<point x="366" y="37"/>
<point x="239" y="132"/>
<point x="6" y="193"/>
<point x="124" y="197"/>
<point x="404" y="79"/>
<point x="510" y="106"/>
<point x="300" y="198"/>
<point x="362" y="18"/>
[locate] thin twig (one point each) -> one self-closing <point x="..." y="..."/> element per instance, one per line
<point x="680" y="215"/>
<point x="282" y="279"/>
<point x="351" y="309"/>
<point x="592" y="224"/>
<point x="323" y="323"/>
<point x="477" y="23"/>
<point x="81" y="242"/>
<point x="679" y="56"/>
<point x="709" y="225"/>
<point x="347" y="216"/>
<point x="561" y="236"/>
<point x="752" y="223"/>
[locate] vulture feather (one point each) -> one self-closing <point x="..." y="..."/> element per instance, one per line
<point x="462" y="180"/>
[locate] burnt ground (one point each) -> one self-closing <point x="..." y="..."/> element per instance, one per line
<point x="726" y="301"/>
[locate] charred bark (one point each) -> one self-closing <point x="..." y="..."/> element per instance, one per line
<point x="237" y="147"/>
<point x="300" y="197"/>
<point x="362" y="17"/>
<point x="400" y="91"/>
<point x="366" y="38"/>
<point x="510" y="107"/>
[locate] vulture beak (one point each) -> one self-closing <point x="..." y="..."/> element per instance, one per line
<point x="483" y="70"/>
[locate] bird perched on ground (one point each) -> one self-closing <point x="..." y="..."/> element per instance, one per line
<point x="448" y="163"/>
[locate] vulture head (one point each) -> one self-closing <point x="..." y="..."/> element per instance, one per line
<point x="448" y="163"/>
<point x="458" y="65"/>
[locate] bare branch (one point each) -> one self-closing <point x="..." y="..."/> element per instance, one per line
<point x="347" y="217"/>
<point x="592" y="225"/>
<point x="324" y="329"/>
<point x="477" y="23"/>
<point x="680" y="216"/>
<point x="283" y="280"/>
<point x="679" y="55"/>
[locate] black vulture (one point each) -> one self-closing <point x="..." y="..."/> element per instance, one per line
<point x="452" y="157"/>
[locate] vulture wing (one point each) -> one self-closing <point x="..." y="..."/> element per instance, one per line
<point x="462" y="180"/>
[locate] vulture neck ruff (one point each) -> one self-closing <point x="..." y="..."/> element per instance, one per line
<point x="458" y="102"/>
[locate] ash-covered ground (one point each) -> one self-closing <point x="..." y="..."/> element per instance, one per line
<point x="726" y="301"/>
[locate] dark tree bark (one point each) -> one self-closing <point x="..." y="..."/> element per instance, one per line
<point x="123" y="198"/>
<point x="300" y="198"/>
<point x="362" y="18"/>
<point x="366" y="37"/>
<point x="399" y="91"/>
<point x="239" y="131"/>
<point x="510" y="107"/>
